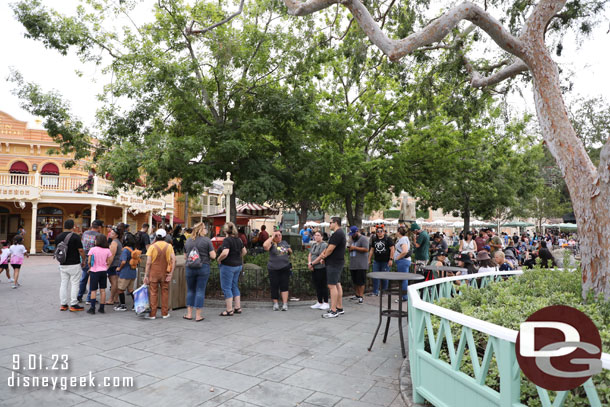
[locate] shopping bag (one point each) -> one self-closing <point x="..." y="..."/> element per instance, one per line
<point x="141" y="302"/>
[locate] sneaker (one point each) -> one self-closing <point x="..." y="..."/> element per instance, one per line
<point x="404" y="300"/>
<point x="101" y="310"/>
<point x="149" y="317"/>
<point x="91" y="311"/>
<point x="15" y="286"/>
<point x="166" y="316"/>
<point x="325" y="306"/>
<point x="330" y="314"/>
<point x="88" y="303"/>
<point x="79" y="299"/>
<point x="372" y="295"/>
<point x="10" y="280"/>
<point x="120" y="308"/>
<point x="285" y="307"/>
<point x="360" y="300"/>
<point x="354" y="298"/>
<point x="276" y="306"/>
<point x="340" y="311"/>
<point x="76" y="307"/>
<point x="317" y="305"/>
<point x="63" y="307"/>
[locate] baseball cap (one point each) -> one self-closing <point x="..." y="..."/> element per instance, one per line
<point x="97" y="223"/>
<point x="352" y="230"/>
<point x="415" y="226"/>
<point x="440" y="253"/>
<point x="161" y="233"/>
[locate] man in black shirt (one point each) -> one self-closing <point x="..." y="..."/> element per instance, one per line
<point x="143" y="239"/>
<point x="381" y="252"/>
<point x="334" y="258"/>
<point x="70" y="271"/>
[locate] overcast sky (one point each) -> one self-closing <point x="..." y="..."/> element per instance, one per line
<point x="590" y="62"/>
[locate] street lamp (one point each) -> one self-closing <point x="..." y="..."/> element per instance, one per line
<point x="228" y="190"/>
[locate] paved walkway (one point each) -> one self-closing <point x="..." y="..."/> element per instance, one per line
<point x="260" y="358"/>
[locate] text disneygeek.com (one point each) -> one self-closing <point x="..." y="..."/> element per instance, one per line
<point x="22" y="364"/>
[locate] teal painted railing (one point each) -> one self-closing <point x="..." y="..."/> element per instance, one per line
<point x="440" y="380"/>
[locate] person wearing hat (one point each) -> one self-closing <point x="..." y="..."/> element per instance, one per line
<point x="358" y="262"/>
<point x="464" y="261"/>
<point x="485" y="262"/>
<point x="422" y="245"/>
<point x="160" y="264"/>
<point x="440" y="258"/>
<point x="88" y="241"/>
<point x="381" y="252"/>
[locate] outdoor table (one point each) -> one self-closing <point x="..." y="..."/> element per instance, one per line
<point x="389" y="312"/>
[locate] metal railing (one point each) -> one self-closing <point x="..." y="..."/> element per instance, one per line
<point x="442" y="382"/>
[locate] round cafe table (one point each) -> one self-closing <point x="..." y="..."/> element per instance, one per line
<point x="389" y="312"/>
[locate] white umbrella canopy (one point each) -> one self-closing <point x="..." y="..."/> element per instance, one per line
<point x="375" y="221"/>
<point x="295" y="226"/>
<point x="324" y="224"/>
<point x="458" y="224"/>
<point x="312" y="223"/>
<point x="393" y="222"/>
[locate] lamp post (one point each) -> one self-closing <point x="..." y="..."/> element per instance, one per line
<point x="228" y="190"/>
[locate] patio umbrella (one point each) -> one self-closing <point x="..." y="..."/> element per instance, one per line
<point x="324" y="224"/>
<point x="312" y="223"/>
<point x="517" y="224"/>
<point x="567" y="226"/>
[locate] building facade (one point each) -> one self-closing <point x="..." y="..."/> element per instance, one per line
<point x="37" y="190"/>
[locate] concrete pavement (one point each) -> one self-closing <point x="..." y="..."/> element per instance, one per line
<point x="260" y="358"/>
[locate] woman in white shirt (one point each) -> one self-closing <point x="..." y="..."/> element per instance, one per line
<point x="468" y="245"/>
<point x="18" y="252"/>
<point x="402" y="257"/>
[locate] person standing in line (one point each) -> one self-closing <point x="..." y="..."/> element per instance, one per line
<point x="422" y="245"/>
<point x="160" y="264"/>
<point x="99" y="259"/>
<point x="143" y="238"/>
<point x="116" y="247"/>
<point x="263" y="235"/>
<point x="4" y="260"/>
<point x="88" y="241"/>
<point x="358" y="262"/>
<point x="318" y="269"/>
<point x="279" y="269"/>
<point x="45" y="233"/>
<point x="231" y="264"/>
<point x="70" y="271"/>
<point x="18" y="251"/>
<point x="127" y="270"/>
<point x="381" y="253"/>
<point x="402" y="257"/>
<point x="334" y="257"/>
<point x="197" y="277"/>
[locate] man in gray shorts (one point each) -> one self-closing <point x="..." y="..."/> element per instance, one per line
<point x="334" y="258"/>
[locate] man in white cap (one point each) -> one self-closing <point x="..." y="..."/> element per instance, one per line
<point x="160" y="264"/>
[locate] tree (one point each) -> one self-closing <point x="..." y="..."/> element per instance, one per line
<point x="183" y="108"/>
<point x="530" y="24"/>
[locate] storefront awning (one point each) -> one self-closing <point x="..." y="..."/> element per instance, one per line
<point x="49" y="169"/>
<point x="19" y="167"/>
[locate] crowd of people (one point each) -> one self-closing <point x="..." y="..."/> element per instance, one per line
<point x="97" y="260"/>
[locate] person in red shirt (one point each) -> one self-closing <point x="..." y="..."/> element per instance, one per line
<point x="263" y="235"/>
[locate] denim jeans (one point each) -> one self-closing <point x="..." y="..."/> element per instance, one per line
<point x="84" y="278"/>
<point x="380" y="266"/>
<point x="196" y="281"/>
<point x="229" y="276"/>
<point x="403" y="266"/>
<point x="45" y="240"/>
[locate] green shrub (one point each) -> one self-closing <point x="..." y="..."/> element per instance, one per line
<point x="510" y="302"/>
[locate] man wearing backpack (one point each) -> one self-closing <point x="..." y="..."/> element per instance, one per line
<point x="143" y="238"/>
<point x="71" y="257"/>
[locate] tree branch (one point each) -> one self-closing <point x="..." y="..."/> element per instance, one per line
<point x="479" y="81"/>
<point x="432" y="33"/>
<point x="190" y="31"/>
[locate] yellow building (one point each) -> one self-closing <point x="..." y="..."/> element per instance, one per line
<point x="36" y="189"/>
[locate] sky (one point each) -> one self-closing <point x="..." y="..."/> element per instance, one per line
<point x="589" y="62"/>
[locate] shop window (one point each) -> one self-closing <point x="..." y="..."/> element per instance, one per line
<point x="86" y="219"/>
<point x="51" y="216"/>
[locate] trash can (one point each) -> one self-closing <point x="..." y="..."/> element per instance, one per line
<point x="177" y="287"/>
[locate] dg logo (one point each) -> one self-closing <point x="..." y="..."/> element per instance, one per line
<point x="559" y="348"/>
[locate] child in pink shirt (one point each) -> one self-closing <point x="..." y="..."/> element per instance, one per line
<point x="99" y="258"/>
<point x="18" y="252"/>
<point x="6" y="255"/>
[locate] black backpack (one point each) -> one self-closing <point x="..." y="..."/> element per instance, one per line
<point x="61" y="251"/>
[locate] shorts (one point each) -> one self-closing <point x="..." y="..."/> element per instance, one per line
<point x="126" y="284"/>
<point x="333" y="274"/>
<point x="4" y="266"/>
<point x="16" y="266"/>
<point x="97" y="279"/>
<point x="358" y="277"/>
<point x="112" y="271"/>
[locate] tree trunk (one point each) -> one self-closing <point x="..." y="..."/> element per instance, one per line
<point x="303" y="213"/>
<point x="589" y="190"/>
<point x="349" y="210"/>
<point x="359" y="211"/>
<point x="233" y="213"/>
